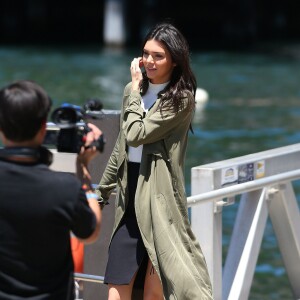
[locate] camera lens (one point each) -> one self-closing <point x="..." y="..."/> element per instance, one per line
<point x="64" y="117"/>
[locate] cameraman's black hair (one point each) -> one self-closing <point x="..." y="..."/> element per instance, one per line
<point x="24" y="106"/>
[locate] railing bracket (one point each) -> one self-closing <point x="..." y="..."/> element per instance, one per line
<point x="271" y="191"/>
<point x="224" y="202"/>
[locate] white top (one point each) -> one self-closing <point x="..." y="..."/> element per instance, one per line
<point x="135" y="153"/>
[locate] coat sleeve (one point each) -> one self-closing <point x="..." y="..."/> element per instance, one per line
<point x="108" y="181"/>
<point x="149" y="129"/>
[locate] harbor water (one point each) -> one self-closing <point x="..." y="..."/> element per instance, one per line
<point x="253" y="105"/>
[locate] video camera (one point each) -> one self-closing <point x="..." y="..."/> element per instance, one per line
<point x="68" y="130"/>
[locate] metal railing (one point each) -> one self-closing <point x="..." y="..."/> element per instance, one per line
<point x="265" y="186"/>
<point x="88" y="277"/>
<point x="249" y="186"/>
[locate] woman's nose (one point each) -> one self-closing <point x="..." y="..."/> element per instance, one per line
<point x="149" y="59"/>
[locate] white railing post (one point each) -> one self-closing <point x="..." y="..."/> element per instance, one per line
<point x="245" y="245"/>
<point x="285" y="218"/>
<point x="214" y="183"/>
<point x="207" y="226"/>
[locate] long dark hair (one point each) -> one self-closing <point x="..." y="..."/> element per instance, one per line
<point x="183" y="82"/>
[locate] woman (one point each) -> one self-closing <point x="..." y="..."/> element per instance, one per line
<point x="152" y="230"/>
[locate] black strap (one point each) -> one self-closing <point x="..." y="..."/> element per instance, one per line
<point x="39" y="154"/>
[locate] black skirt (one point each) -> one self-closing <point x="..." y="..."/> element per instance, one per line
<point x="127" y="253"/>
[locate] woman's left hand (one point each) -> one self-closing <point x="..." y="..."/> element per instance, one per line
<point x="136" y="74"/>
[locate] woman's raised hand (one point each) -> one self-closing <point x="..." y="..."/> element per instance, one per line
<point x="136" y="74"/>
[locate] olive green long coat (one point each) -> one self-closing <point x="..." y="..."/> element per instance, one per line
<point x="160" y="200"/>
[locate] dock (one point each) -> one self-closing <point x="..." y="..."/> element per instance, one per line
<point x="262" y="186"/>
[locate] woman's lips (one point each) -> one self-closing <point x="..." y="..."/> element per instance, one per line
<point x="151" y="70"/>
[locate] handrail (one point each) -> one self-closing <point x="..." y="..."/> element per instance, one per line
<point x="90" y="278"/>
<point x="231" y="191"/>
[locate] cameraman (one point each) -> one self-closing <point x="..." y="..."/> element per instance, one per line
<point x="39" y="207"/>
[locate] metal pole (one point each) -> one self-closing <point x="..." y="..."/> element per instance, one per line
<point x="90" y="278"/>
<point x="249" y="186"/>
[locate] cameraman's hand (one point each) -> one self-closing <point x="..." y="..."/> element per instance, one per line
<point x="87" y="152"/>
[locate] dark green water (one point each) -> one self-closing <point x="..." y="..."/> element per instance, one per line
<point x="254" y="105"/>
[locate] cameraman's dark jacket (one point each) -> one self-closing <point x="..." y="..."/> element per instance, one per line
<point x="160" y="201"/>
<point x="38" y="209"/>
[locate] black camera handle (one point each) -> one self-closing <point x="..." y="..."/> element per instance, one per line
<point x="99" y="143"/>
